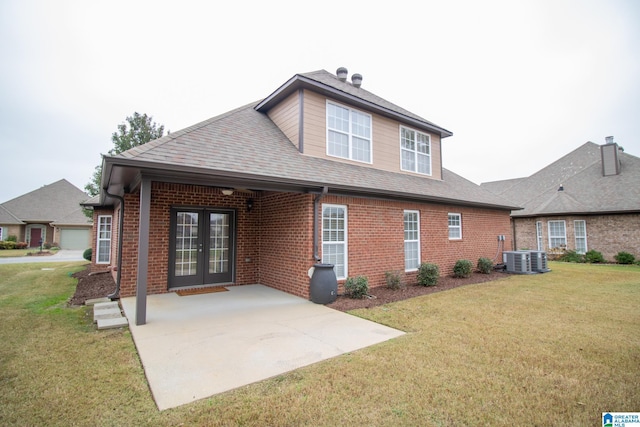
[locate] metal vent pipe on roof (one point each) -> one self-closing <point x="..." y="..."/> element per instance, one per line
<point x="356" y="80"/>
<point x="342" y="74"/>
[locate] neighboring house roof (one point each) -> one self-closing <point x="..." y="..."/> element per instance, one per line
<point x="584" y="188"/>
<point x="76" y="217"/>
<point x="7" y="218"/>
<point x="244" y="147"/>
<point x="49" y="203"/>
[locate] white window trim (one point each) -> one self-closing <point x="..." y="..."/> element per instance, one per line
<point x="1" y="233"/>
<point x="586" y="246"/>
<point x="98" y="239"/>
<point x="415" y="152"/>
<point x="449" y="227"/>
<point x="539" y="235"/>
<point x="412" y="241"/>
<point x="350" y="133"/>
<point x="346" y="234"/>
<point x="556" y="237"/>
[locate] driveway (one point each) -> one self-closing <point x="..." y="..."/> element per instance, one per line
<point x="193" y="347"/>
<point x="63" y="255"/>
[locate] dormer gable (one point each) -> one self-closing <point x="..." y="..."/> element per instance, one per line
<point x="325" y="115"/>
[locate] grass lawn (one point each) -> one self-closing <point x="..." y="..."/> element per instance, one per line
<point x="557" y="348"/>
<point x="10" y="253"/>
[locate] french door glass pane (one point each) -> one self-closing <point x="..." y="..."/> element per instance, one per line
<point x="186" y="243"/>
<point x="218" y="243"/>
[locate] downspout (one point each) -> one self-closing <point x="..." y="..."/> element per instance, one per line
<point x="316" y="202"/>
<point x="116" y="294"/>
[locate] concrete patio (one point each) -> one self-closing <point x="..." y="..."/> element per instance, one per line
<point x="193" y="347"/>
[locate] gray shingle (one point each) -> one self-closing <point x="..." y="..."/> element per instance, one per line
<point x="586" y="190"/>
<point x="246" y="143"/>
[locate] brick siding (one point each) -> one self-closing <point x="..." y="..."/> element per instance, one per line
<point x="275" y="240"/>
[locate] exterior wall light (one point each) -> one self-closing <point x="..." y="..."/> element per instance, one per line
<point x="227" y="191"/>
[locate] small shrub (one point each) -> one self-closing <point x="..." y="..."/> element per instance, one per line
<point x="12" y="238"/>
<point x="624" y="258"/>
<point x="463" y="268"/>
<point x="21" y="245"/>
<point x="55" y="245"/>
<point x="46" y="245"/>
<point x="393" y="280"/>
<point x="593" y="257"/>
<point x="485" y="265"/>
<point x="87" y="254"/>
<point x="571" y="256"/>
<point x="357" y="287"/>
<point x="428" y="274"/>
<point x="7" y="244"/>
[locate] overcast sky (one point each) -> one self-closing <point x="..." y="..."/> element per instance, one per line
<point x="519" y="83"/>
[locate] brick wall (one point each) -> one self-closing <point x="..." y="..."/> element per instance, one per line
<point x="608" y="234"/>
<point x="376" y="236"/>
<point x="275" y="239"/>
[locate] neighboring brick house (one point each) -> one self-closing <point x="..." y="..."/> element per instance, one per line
<point x="319" y="170"/>
<point x="51" y="213"/>
<point x="588" y="199"/>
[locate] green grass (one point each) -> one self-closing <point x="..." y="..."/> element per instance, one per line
<point x="552" y="349"/>
<point x="11" y="253"/>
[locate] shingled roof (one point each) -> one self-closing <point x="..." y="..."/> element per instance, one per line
<point x="59" y="201"/>
<point x="245" y="146"/>
<point x="584" y="188"/>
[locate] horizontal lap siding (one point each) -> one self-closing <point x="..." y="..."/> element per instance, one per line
<point x="286" y="116"/>
<point x="385" y="137"/>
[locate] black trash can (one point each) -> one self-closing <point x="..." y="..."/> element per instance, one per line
<point x="324" y="285"/>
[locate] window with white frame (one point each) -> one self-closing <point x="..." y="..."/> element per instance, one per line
<point x="334" y="238"/>
<point x="455" y="226"/>
<point x="1" y="233"/>
<point x="103" y="246"/>
<point x="411" y="240"/>
<point x="557" y="234"/>
<point x="415" y="151"/>
<point x="580" y="231"/>
<point x="539" y="235"/>
<point x="348" y="133"/>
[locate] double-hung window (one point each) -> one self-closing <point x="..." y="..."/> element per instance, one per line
<point x="557" y="234"/>
<point x="334" y="238"/>
<point x="580" y="231"/>
<point x="455" y="226"/>
<point x="348" y="133"/>
<point x="411" y="240"/>
<point x="103" y="246"/>
<point x="415" y="151"/>
<point x="539" y="235"/>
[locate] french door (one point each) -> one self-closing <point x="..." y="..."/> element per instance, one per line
<point x="202" y="247"/>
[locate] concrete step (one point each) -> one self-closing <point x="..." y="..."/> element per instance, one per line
<point x="106" y="306"/>
<point x="94" y="301"/>
<point x="116" y="322"/>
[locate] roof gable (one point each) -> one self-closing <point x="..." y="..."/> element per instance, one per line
<point x="328" y="84"/>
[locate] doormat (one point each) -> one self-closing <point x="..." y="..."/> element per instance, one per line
<point x="198" y="291"/>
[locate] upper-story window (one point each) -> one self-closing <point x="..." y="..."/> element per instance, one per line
<point x="415" y="151"/>
<point x="348" y="133"/>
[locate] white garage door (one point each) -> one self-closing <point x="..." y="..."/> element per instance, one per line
<point x="74" y="238"/>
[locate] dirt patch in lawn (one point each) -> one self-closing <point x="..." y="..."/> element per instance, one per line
<point x="383" y="295"/>
<point x="96" y="285"/>
<point x="102" y="284"/>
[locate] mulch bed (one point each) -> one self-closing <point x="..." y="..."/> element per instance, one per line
<point x="383" y="295"/>
<point x="92" y="286"/>
<point x="102" y="284"/>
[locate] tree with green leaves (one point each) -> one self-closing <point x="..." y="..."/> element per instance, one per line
<point x="136" y="130"/>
